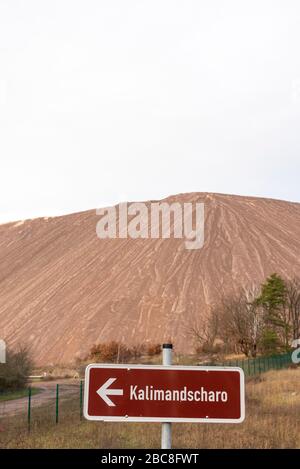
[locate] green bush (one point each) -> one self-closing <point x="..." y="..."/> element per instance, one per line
<point x="270" y="342"/>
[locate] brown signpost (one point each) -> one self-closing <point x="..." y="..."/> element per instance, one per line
<point x="141" y="393"/>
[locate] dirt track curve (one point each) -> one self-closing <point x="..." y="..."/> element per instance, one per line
<point x="46" y="396"/>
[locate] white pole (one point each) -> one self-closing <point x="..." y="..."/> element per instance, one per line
<point x="166" y="432"/>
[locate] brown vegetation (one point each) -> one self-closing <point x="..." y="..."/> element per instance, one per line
<point x="117" y="352"/>
<point x="14" y="373"/>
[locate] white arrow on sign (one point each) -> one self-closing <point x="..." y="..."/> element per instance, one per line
<point x="104" y="392"/>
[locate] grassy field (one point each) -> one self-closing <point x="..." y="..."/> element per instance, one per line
<point x="272" y="421"/>
<point x="11" y="395"/>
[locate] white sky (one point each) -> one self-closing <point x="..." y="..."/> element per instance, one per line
<point x="103" y="101"/>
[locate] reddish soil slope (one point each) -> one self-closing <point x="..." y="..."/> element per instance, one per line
<point x="62" y="289"/>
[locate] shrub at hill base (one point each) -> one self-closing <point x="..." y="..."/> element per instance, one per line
<point x="117" y="352"/>
<point x="14" y="373"/>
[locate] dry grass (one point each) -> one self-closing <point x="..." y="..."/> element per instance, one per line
<point x="272" y="421"/>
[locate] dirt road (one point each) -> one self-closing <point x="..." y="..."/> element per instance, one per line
<point x="47" y="394"/>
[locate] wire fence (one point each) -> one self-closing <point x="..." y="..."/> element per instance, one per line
<point x="44" y="401"/>
<point x="52" y="398"/>
<point x="256" y="366"/>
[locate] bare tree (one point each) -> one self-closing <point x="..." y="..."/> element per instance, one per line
<point x="293" y="306"/>
<point x="14" y="373"/>
<point x="207" y="331"/>
<point x="241" y="321"/>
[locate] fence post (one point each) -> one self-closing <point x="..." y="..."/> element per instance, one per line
<point x="81" y="398"/>
<point x="29" y="408"/>
<point x="56" y="403"/>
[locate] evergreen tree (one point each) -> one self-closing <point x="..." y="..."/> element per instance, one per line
<point x="274" y="298"/>
<point x="273" y="293"/>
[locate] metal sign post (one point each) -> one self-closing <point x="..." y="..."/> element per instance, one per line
<point x="166" y="428"/>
